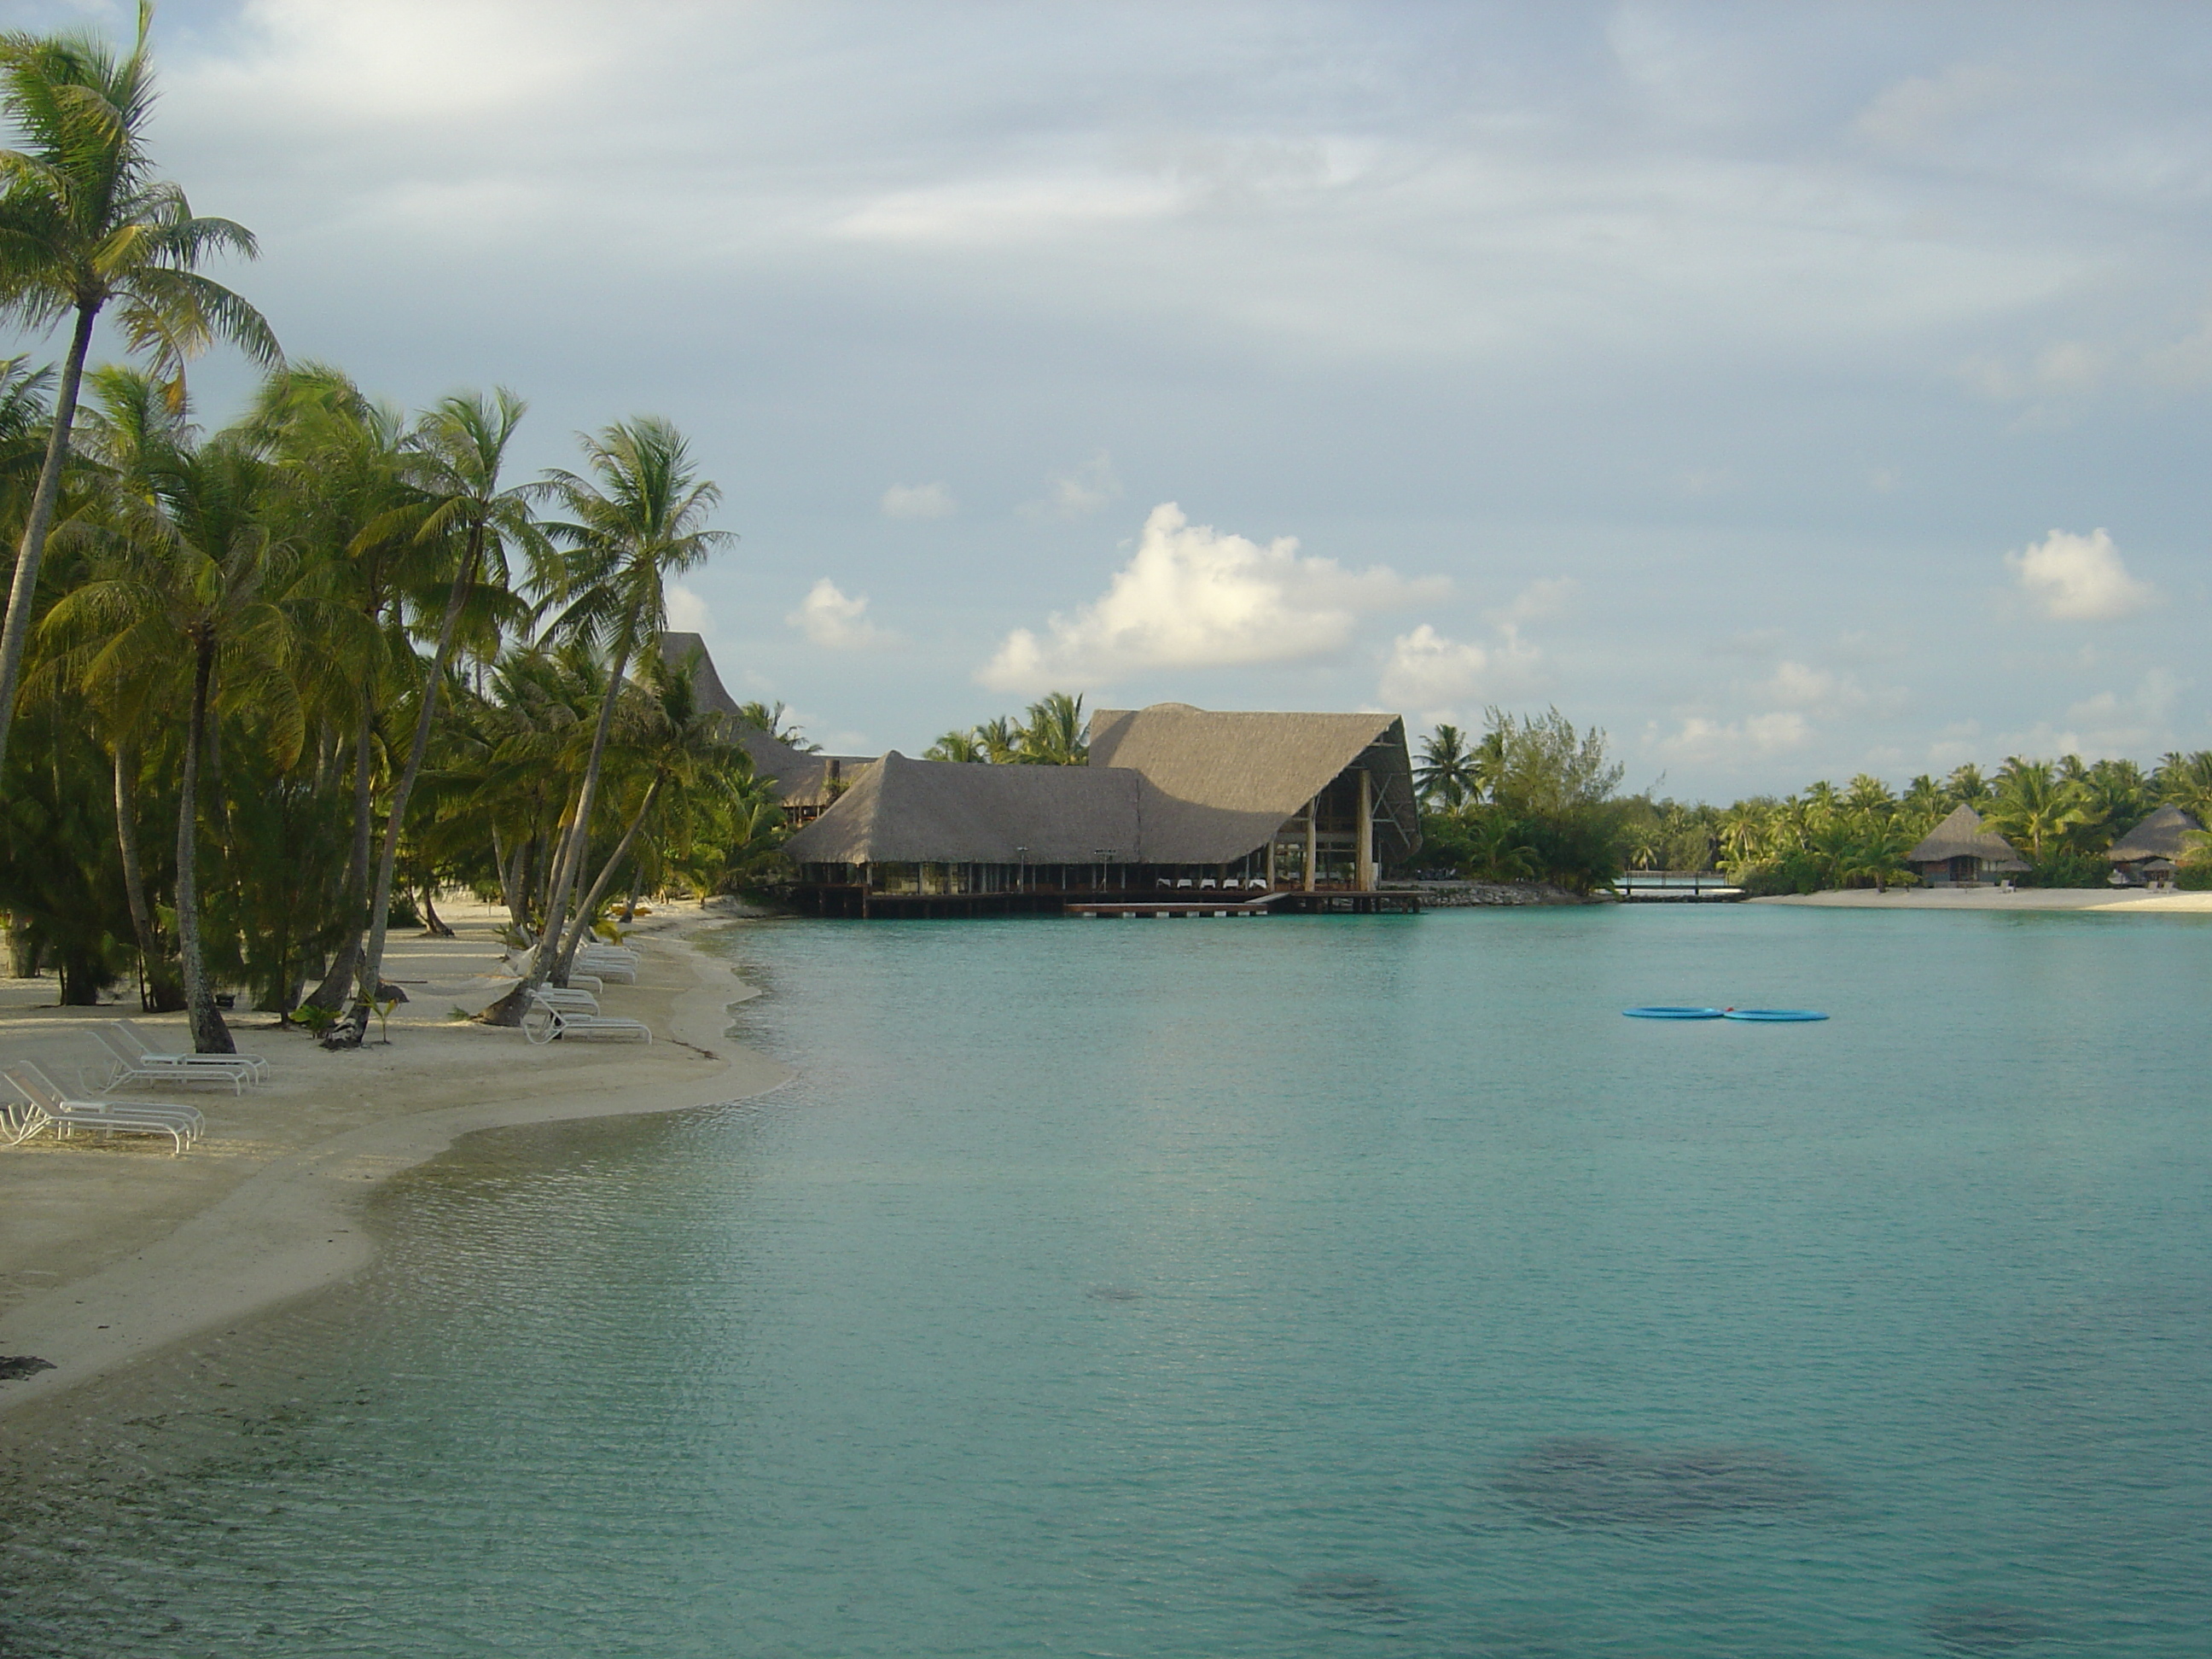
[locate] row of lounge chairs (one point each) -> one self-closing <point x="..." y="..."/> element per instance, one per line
<point x="557" y="1012"/>
<point x="1227" y="883"/>
<point x="44" y="1106"/>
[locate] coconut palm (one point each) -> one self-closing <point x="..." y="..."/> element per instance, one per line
<point x="461" y="447"/>
<point x="84" y="224"/>
<point x="193" y="578"/>
<point x="1449" y="774"/>
<point x="962" y="746"/>
<point x="1054" y="733"/>
<point x="2032" y="803"/>
<point x="638" y="520"/>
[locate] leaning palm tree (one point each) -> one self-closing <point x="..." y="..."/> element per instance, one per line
<point x="84" y="224"/>
<point x="462" y="443"/>
<point x="638" y="520"/>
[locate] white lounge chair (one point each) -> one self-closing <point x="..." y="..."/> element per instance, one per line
<point x="182" y="1124"/>
<point x="623" y="973"/>
<point x="547" y="1021"/>
<point x="257" y="1068"/>
<point x="128" y="1065"/>
<point x="19" y="1120"/>
<point x="573" y="1000"/>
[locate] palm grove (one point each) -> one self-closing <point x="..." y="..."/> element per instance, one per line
<point x="264" y="689"/>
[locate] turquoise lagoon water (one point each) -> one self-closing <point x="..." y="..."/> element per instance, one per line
<point x="1317" y="1287"/>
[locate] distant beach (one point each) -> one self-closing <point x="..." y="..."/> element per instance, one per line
<point x="110" y="1253"/>
<point x="2103" y="901"/>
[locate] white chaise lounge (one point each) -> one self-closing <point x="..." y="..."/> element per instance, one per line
<point x="129" y="1063"/>
<point x="257" y="1068"/>
<point x="546" y="1021"/>
<point x="182" y="1124"/>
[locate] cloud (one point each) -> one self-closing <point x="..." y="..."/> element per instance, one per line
<point x="1192" y="598"/>
<point x="1545" y="597"/>
<point x="929" y="501"/>
<point x="2109" y="723"/>
<point x="2079" y="578"/>
<point x="1075" y="493"/>
<point x="836" y="621"/>
<point x="687" y="612"/>
<point x="1761" y="735"/>
<point x="1923" y="108"/>
<point x="1437" y="676"/>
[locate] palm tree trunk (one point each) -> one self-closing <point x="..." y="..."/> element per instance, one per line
<point x="17" y="625"/>
<point x="510" y="1008"/>
<point x="209" y="1034"/>
<point x="330" y="994"/>
<point x="636" y="887"/>
<point x="161" y="989"/>
<point x="606" y="874"/>
<point x="379" y="903"/>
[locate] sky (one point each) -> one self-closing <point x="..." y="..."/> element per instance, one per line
<point x="1791" y="390"/>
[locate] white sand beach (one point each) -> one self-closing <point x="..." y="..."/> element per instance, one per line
<point x="111" y="1248"/>
<point x="2104" y="901"/>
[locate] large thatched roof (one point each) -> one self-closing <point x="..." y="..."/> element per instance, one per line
<point x="1961" y="836"/>
<point x="802" y="779"/>
<point x="2164" y="835"/>
<point x="1166" y="785"/>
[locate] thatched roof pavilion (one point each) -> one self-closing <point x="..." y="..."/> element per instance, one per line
<point x="2164" y="835"/>
<point x="1959" y="850"/>
<point x="1173" y="796"/>
<point x="807" y="782"/>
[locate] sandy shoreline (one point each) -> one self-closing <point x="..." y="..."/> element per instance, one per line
<point x="110" y="1253"/>
<point x="2102" y="902"/>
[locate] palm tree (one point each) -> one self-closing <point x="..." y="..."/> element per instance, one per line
<point x="1869" y="793"/>
<point x="638" y="520"/>
<point x="461" y="444"/>
<point x="1449" y="774"/>
<point x="962" y="746"/>
<point x="2033" y="803"/>
<point x="193" y="576"/>
<point x="775" y="720"/>
<point x="83" y="224"/>
<point x="2185" y="781"/>
<point x="1054" y="732"/>
<point x="999" y="740"/>
<point x="1966" y="786"/>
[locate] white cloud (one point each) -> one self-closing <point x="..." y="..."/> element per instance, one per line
<point x="1192" y="598"/>
<point x="687" y="612"/>
<point x="2110" y="723"/>
<point x="1545" y="597"/>
<point x="1922" y="108"/>
<point x="2079" y="578"/>
<point x="836" y="621"/>
<point x="1081" y="491"/>
<point x="1440" y="677"/>
<point x="1761" y="735"/>
<point x="929" y="501"/>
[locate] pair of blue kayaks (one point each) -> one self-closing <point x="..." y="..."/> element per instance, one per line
<point x="1762" y="1016"/>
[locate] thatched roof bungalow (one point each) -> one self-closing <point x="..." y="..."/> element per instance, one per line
<point x="2148" y="853"/>
<point x="1958" y="853"/>
<point x="1172" y="797"/>
<point x="806" y="781"/>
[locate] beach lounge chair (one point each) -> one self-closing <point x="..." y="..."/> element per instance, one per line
<point x="621" y="972"/>
<point x="19" y="1120"/>
<point x="182" y="1124"/>
<point x="128" y="1065"/>
<point x="257" y="1068"/>
<point x="575" y="1001"/>
<point x="547" y="1021"/>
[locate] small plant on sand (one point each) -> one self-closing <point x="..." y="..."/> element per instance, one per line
<point x="316" y="1018"/>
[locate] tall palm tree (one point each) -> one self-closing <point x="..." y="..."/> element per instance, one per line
<point x="194" y="576"/>
<point x="638" y="520"/>
<point x="2033" y="803"/>
<point x="1449" y="773"/>
<point x="462" y="443"/>
<point x="84" y="224"/>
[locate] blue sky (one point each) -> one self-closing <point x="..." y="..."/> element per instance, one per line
<point x="1792" y="390"/>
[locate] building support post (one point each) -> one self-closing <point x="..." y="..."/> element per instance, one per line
<point x="1313" y="839"/>
<point x="1364" y="865"/>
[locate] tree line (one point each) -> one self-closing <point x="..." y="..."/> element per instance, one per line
<point x="265" y="690"/>
<point x="1532" y="799"/>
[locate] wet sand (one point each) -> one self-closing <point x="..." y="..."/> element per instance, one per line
<point x="112" y="1249"/>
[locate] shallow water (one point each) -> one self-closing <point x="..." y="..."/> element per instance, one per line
<point x="1320" y="1286"/>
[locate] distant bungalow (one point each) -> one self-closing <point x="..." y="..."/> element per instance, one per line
<point x="2148" y="853"/>
<point x="1178" y="809"/>
<point x="1960" y="853"/>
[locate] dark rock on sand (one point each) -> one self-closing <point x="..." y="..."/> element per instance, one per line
<point x="1589" y="1482"/>
<point x="14" y="1365"/>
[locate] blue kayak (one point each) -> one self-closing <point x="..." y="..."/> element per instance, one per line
<point x="1774" y="1016"/>
<point x="1672" y="1013"/>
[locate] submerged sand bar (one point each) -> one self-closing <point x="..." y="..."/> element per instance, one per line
<point x="110" y="1250"/>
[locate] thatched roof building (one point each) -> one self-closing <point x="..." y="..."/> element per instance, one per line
<point x="1959" y="850"/>
<point x="2164" y="835"/>
<point x="807" y="781"/>
<point x="1172" y="795"/>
